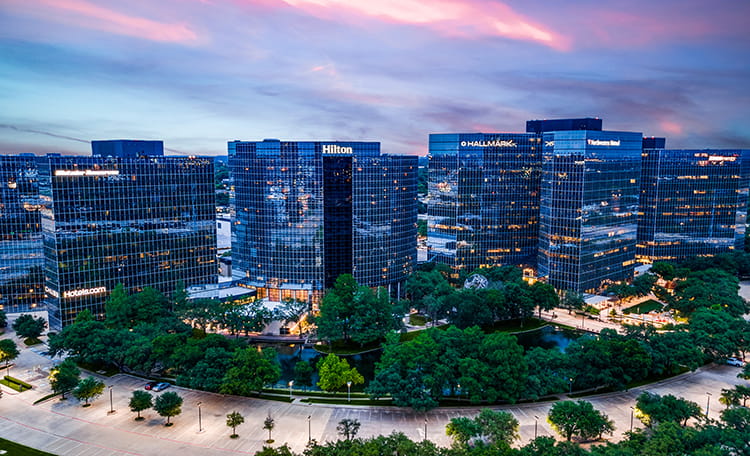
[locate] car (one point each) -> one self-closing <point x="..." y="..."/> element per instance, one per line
<point x="160" y="386"/>
<point x="735" y="362"/>
<point x="150" y="385"/>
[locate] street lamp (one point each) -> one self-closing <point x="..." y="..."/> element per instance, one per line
<point x="425" y="428"/>
<point x="348" y="391"/>
<point x="200" y="423"/>
<point x="291" y="382"/>
<point x="631" y="418"/>
<point x="708" y="403"/>
<point x="111" y="404"/>
<point x="536" y="422"/>
<point x="309" y="429"/>
<point x="570" y="380"/>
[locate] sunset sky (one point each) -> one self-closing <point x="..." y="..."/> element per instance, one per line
<point x="197" y="73"/>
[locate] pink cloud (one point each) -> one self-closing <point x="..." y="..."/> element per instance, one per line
<point x="89" y="15"/>
<point x="450" y="17"/>
<point x="670" y="127"/>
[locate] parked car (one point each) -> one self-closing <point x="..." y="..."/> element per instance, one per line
<point x="735" y="362"/>
<point x="150" y="385"/>
<point x="161" y="386"/>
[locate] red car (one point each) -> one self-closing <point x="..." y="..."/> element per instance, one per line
<point x="150" y="385"/>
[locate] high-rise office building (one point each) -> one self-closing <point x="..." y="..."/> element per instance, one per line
<point x="589" y="205"/>
<point x="138" y="219"/>
<point x="483" y="199"/>
<point x="692" y="202"/>
<point x="307" y="212"/>
<point x="21" y="258"/>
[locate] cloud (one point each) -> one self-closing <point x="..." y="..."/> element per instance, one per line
<point x="467" y="19"/>
<point x="82" y="13"/>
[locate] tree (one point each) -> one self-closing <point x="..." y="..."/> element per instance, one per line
<point x="3" y="319"/>
<point x="268" y="424"/>
<point x="234" y="419"/>
<point x="29" y="327"/>
<point x="487" y="427"/>
<point x="139" y="401"/>
<point x="544" y="296"/>
<point x="8" y="352"/>
<point x="735" y="396"/>
<point x="118" y="308"/>
<point x="348" y="428"/>
<point x="303" y="372"/>
<point x="549" y="371"/>
<point x="87" y="389"/>
<point x="572" y="300"/>
<point x="462" y="430"/>
<point x="64" y="377"/>
<point x="334" y="373"/>
<point x="169" y="404"/>
<point x="250" y="371"/>
<point x="580" y="418"/>
<point x="652" y="409"/>
<point x="335" y="317"/>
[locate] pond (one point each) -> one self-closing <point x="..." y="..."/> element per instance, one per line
<point x="289" y="354"/>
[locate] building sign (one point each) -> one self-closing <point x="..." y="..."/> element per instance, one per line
<point x="336" y="149"/>
<point x="495" y="143"/>
<point x="549" y="144"/>
<point x="84" y="292"/>
<point x="599" y="142"/>
<point x="51" y="292"/>
<point x="86" y="172"/>
<point x="721" y="158"/>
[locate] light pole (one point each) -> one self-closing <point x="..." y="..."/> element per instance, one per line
<point x="111" y="404"/>
<point x="291" y="383"/>
<point x="309" y="429"/>
<point x="708" y="403"/>
<point x="348" y="391"/>
<point x="536" y="422"/>
<point x="570" y="380"/>
<point x="425" y="428"/>
<point x="631" y="418"/>
<point x="200" y="423"/>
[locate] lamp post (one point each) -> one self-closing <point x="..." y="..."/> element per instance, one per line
<point x="200" y="423"/>
<point x="111" y="403"/>
<point x="348" y="391"/>
<point x="309" y="429"/>
<point x="631" y="418"/>
<point x="708" y="403"/>
<point x="536" y="422"/>
<point x="570" y="380"/>
<point x="425" y="428"/>
<point x="291" y="383"/>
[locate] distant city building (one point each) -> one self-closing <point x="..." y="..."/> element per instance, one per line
<point x="21" y="257"/>
<point x="127" y="148"/>
<point x="588" y="208"/>
<point x="483" y="199"/>
<point x="307" y="212"/>
<point x="140" y="219"/>
<point x="692" y="202"/>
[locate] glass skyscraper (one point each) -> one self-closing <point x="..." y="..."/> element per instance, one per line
<point x="307" y="212"/>
<point x="588" y="208"/>
<point x="693" y="202"/>
<point x="21" y="257"/>
<point x="138" y="219"/>
<point x="483" y="203"/>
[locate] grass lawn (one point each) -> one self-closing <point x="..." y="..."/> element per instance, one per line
<point x="644" y="307"/>
<point x="514" y="326"/>
<point x="16" y="449"/>
<point x="417" y="320"/>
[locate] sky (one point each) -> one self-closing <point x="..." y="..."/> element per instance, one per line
<point x="198" y="73"/>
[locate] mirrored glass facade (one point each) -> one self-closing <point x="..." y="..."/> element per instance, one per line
<point x="307" y="212"/>
<point x="21" y="255"/>
<point x="588" y="208"/>
<point x="137" y="221"/>
<point x="693" y="202"/>
<point x="483" y="203"/>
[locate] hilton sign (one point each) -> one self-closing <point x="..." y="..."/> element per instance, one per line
<point x="336" y="149"/>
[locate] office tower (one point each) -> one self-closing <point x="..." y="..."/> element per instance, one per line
<point x="589" y="204"/>
<point x="693" y="202"/>
<point x="140" y="219"/>
<point x="307" y="212"/>
<point x="21" y="259"/>
<point x="483" y="203"/>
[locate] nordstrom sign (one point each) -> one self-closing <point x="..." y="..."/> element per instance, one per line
<point x="599" y="142"/>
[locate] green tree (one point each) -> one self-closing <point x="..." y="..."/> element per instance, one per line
<point x="335" y="372"/>
<point x="118" y="308"/>
<point x="140" y="401"/>
<point x="269" y="424"/>
<point x="735" y="396"/>
<point x="234" y="419"/>
<point x="580" y="418"/>
<point x="303" y="373"/>
<point x="487" y="427"/>
<point x="496" y="372"/>
<point x="336" y="310"/>
<point x="29" y="327"/>
<point x="373" y="315"/>
<point x="209" y="370"/>
<point x="8" y="352"/>
<point x="169" y="404"/>
<point x="663" y="269"/>
<point x="64" y="377"/>
<point x="544" y="296"/>
<point x="87" y="389"/>
<point x="549" y="371"/>
<point x="348" y="428"/>
<point x="652" y="408"/>
<point x="462" y="430"/>
<point x="3" y="319"/>
<point x="572" y="300"/>
<point x="250" y="371"/>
